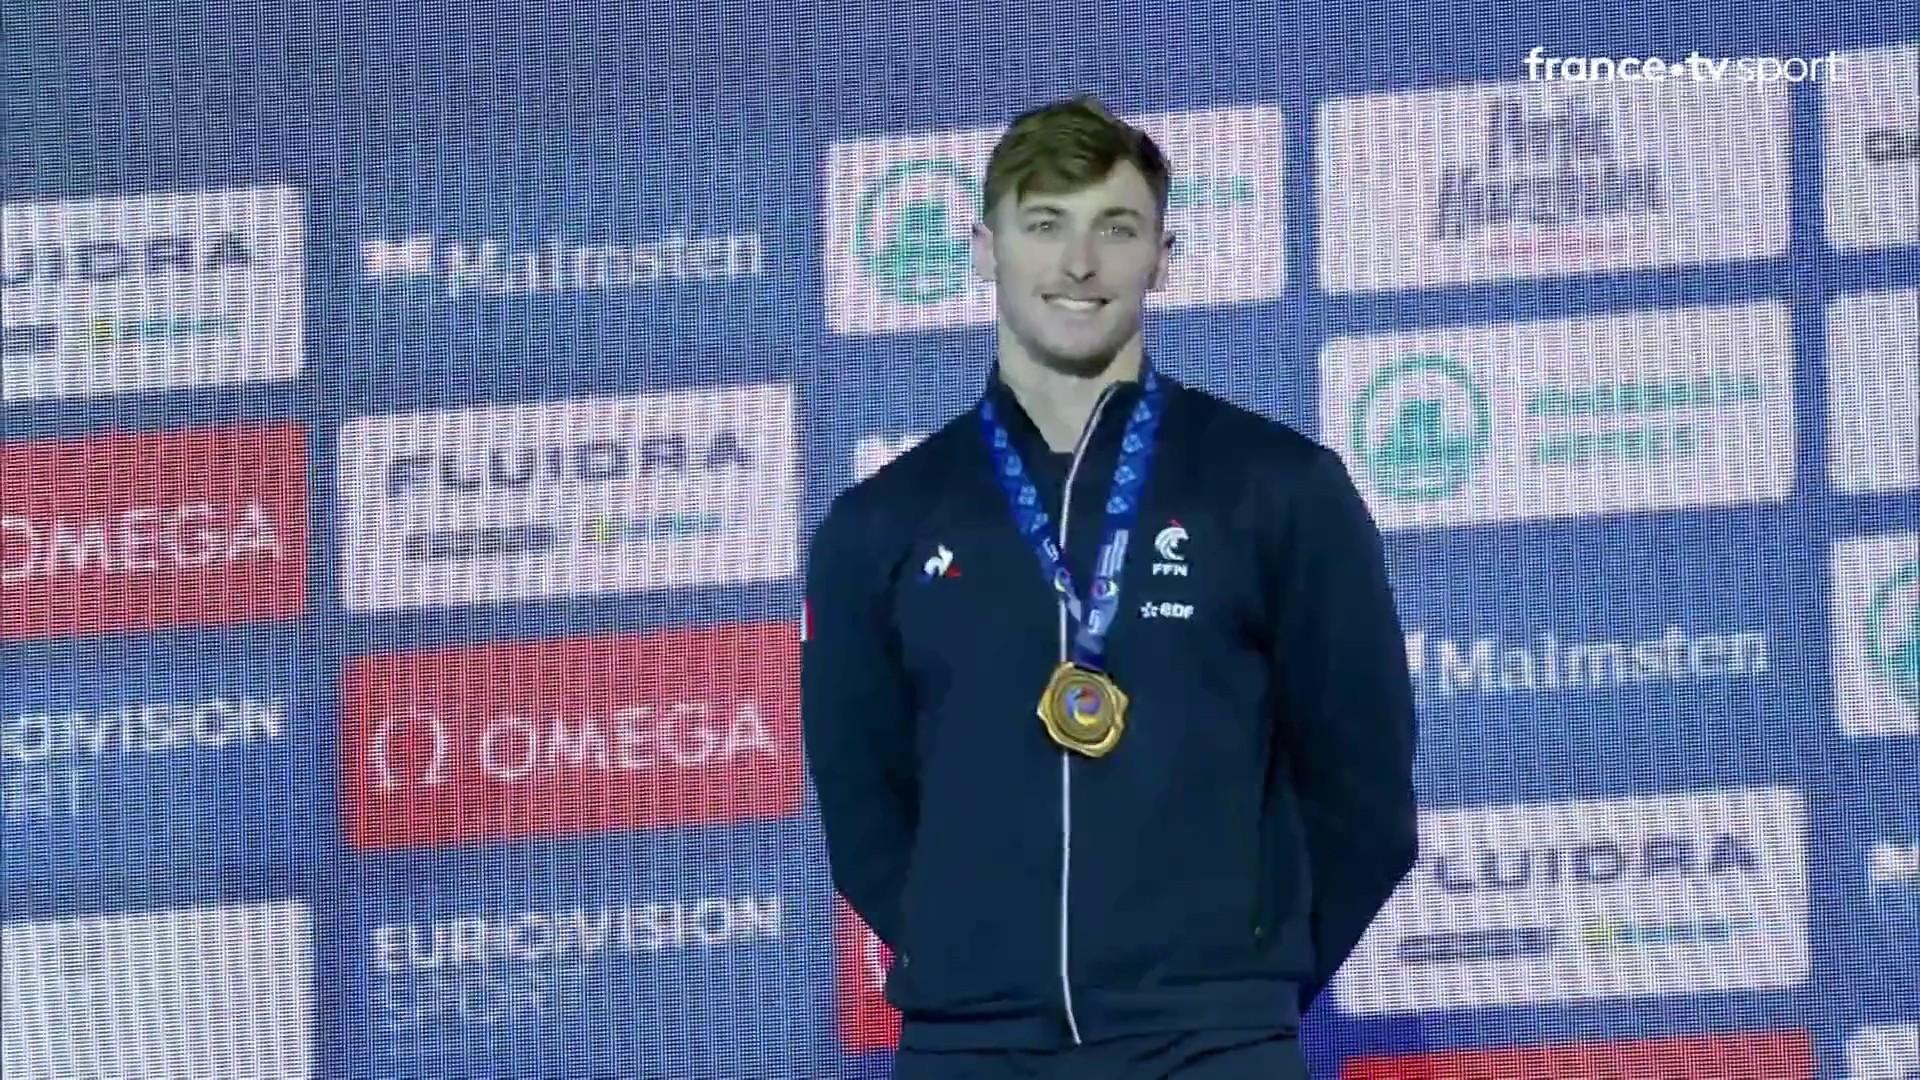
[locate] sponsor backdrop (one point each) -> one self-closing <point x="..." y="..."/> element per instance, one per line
<point x="413" y="430"/>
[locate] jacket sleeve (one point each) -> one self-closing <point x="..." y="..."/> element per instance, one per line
<point x="1347" y="725"/>
<point x="857" y="722"/>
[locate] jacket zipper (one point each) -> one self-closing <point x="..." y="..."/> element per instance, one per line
<point x="1066" y="758"/>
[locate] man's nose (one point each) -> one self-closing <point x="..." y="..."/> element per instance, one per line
<point x="1077" y="258"/>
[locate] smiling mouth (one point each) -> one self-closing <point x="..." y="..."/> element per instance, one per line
<point x="1068" y="303"/>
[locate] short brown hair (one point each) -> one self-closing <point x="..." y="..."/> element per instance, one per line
<point x="1065" y="146"/>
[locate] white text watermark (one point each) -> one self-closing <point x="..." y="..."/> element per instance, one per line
<point x="1542" y="67"/>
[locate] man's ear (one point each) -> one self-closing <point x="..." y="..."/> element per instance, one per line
<point x="1162" y="260"/>
<point x="980" y="240"/>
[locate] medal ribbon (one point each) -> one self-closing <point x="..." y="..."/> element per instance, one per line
<point x="1094" y="618"/>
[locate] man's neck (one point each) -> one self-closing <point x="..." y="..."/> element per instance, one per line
<point x="1059" y="403"/>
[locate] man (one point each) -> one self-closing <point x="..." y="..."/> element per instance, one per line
<point x="1125" y="820"/>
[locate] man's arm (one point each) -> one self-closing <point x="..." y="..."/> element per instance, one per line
<point x="857" y="718"/>
<point x="1347" y="706"/>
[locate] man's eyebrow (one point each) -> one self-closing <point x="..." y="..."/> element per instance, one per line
<point x="1109" y="212"/>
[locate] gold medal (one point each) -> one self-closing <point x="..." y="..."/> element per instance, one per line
<point x="1083" y="710"/>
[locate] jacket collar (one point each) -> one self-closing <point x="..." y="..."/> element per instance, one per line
<point x="1026" y="435"/>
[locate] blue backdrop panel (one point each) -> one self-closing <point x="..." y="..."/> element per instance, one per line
<point x="178" y="769"/>
<point x="694" y="954"/>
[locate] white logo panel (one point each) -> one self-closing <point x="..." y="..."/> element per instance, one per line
<point x="1873" y="149"/>
<point x="1884" y="1052"/>
<point x="222" y="992"/>
<point x="569" y="498"/>
<point x="1873" y="386"/>
<point x="151" y="292"/>
<point x="1649" y="410"/>
<point x="1674" y="894"/>
<point x="1876" y="634"/>
<point x="1519" y="180"/>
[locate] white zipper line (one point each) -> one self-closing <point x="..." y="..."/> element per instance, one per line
<point x="1066" y="758"/>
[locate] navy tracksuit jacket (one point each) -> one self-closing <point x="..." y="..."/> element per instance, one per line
<point x="1217" y="867"/>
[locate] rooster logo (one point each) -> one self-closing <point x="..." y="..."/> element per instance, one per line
<point x="941" y="565"/>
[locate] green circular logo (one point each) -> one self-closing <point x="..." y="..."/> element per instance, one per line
<point x="910" y="232"/>
<point x="1421" y="428"/>
<point x="1893" y="632"/>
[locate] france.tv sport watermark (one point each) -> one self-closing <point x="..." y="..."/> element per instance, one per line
<point x="1542" y="67"/>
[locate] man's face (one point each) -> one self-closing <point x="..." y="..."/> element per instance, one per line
<point x="1072" y="271"/>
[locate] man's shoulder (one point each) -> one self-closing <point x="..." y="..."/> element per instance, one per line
<point x="1283" y="483"/>
<point x="899" y="477"/>
<point x="1225" y="425"/>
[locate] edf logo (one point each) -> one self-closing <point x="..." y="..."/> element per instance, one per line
<point x="94" y="262"/>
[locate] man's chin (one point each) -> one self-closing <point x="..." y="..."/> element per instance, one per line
<point x="1084" y="365"/>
